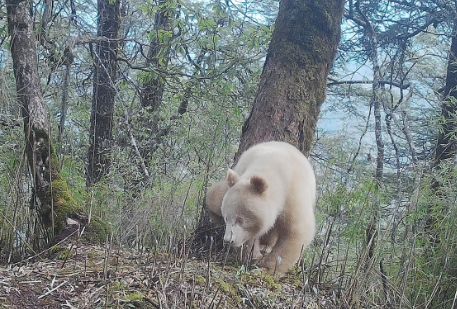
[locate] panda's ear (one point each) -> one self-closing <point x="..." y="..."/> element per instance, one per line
<point x="259" y="184"/>
<point x="232" y="177"/>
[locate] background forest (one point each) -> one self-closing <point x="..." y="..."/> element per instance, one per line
<point x="181" y="84"/>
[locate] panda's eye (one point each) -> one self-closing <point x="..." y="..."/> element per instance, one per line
<point x="239" y="221"/>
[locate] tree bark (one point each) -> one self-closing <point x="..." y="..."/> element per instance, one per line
<point x="104" y="92"/>
<point x="446" y="148"/>
<point x="372" y="229"/>
<point x="158" y="55"/>
<point x="447" y="140"/>
<point x="51" y="196"/>
<point x="64" y="106"/>
<point x="372" y="51"/>
<point x="294" y="78"/>
<point x="45" y="20"/>
<point x="293" y="82"/>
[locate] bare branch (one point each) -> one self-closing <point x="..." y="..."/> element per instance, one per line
<point x="381" y="82"/>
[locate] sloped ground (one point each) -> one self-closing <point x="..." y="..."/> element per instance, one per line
<point x="88" y="276"/>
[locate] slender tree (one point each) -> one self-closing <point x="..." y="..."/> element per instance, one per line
<point x="158" y="54"/>
<point x="447" y="140"/>
<point x="104" y="92"/>
<point x="294" y="78"/>
<point x="359" y="17"/>
<point x="446" y="147"/>
<point x="67" y="62"/>
<point x="51" y="197"/>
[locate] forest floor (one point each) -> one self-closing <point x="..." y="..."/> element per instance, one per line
<point x="78" y="275"/>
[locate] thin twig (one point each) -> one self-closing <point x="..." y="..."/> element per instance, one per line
<point x="208" y="274"/>
<point x="50" y="291"/>
<point x="384" y="282"/>
<point x="44" y="251"/>
<point x="455" y="298"/>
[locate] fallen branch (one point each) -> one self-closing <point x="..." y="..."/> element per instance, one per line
<point x="50" y="291"/>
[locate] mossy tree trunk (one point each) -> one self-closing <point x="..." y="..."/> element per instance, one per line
<point x="51" y="195"/>
<point x="294" y="78"/>
<point x="104" y="91"/>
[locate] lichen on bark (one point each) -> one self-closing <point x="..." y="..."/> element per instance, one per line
<point x="56" y="201"/>
<point x="51" y="195"/>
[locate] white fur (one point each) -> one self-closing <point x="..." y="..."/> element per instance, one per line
<point x="214" y="198"/>
<point x="270" y="201"/>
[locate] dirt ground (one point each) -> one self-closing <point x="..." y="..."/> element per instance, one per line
<point x="77" y="275"/>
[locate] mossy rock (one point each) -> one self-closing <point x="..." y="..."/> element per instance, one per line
<point x="97" y="231"/>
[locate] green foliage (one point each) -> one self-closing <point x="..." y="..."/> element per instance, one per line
<point x="73" y="173"/>
<point x="433" y="273"/>
<point x="154" y="193"/>
<point x="97" y="231"/>
<point x="13" y="202"/>
<point x="65" y="254"/>
<point x="135" y="296"/>
<point x="418" y="258"/>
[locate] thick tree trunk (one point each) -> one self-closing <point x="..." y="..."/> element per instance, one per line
<point x="54" y="202"/>
<point x="104" y="92"/>
<point x="294" y="78"/>
<point x="293" y="82"/>
<point x="158" y="55"/>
